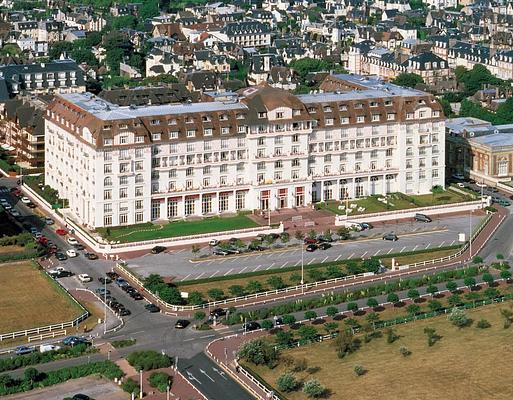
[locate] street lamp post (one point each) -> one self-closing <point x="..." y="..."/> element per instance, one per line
<point x="141" y="384"/>
<point x="302" y="268"/>
<point x="470" y="234"/>
<point x="167" y="391"/>
<point x="104" y="306"/>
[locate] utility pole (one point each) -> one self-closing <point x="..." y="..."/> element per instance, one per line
<point x="302" y="267"/>
<point x="470" y="234"/>
<point x="141" y="384"/>
<point x="104" y="305"/>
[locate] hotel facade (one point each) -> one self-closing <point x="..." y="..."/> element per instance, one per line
<point x="262" y="148"/>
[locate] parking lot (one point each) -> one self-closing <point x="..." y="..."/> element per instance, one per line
<point x="413" y="236"/>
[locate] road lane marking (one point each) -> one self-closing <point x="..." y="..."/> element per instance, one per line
<point x="389" y="251"/>
<point x="211" y="276"/>
<point x="242" y="270"/>
<point x="441" y="244"/>
<point x="257" y="267"/>
<point x="325" y="258"/>
<point x="228" y="272"/>
<point x="311" y="261"/>
<point x="402" y="249"/>
<point x="340" y="255"/>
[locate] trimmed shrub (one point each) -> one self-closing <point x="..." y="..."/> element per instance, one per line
<point x="160" y="381"/>
<point x="148" y="360"/>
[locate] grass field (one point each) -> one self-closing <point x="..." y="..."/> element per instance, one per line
<point x="414" y="258"/>
<point x="397" y="201"/>
<point x="11" y="249"/>
<point x="466" y="364"/>
<point x="148" y="231"/>
<point x="30" y="299"/>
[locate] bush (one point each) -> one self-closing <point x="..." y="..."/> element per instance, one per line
<point x="259" y="352"/>
<point x="130" y="386"/>
<point x="313" y="389"/>
<point x="331" y="311"/>
<point x="199" y="315"/>
<point x="359" y="370"/>
<point x="148" y="360"/>
<point x="287" y="383"/>
<point x="459" y="318"/>
<point x="160" y="381"/>
<point x="391" y="336"/>
<point x="483" y="324"/>
<point x="300" y="365"/>
<point x="404" y="351"/>
<point x="123" y="343"/>
<point x="267" y="324"/>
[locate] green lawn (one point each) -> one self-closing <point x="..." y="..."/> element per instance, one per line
<point x="148" y="231"/>
<point x="396" y="201"/>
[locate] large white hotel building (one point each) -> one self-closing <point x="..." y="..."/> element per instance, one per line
<point x="262" y="148"/>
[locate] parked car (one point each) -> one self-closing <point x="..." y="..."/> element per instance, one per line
<point x="104" y="280"/>
<point x="504" y="203"/>
<point x="181" y="324"/>
<point x="158" y="249"/>
<point x="310" y="241"/>
<point x="71" y="253"/>
<point x="422" y="218"/>
<point x="136" y="295"/>
<point x="127" y="288"/>
<point x="278" y="321"/>
<point x="20" y="350"/>
<point x="220" y="252"/>
<point x="74" y="340"/>
<point x="218" y="312"/>
<point x="48" y="347"/>
<point x="311" y="247"/>
<point x="72" y="241"/>
<point x="55" y="270"/>
<point x="213" y="242"/>
<point x="121" y="282"/>
<point x="79" y="246"/>
<point x="324" y="246"/>
<point x="61" y="232"/>
<point x="61" y="256"/>
<point x="324" y="239"/>
<point x="251" y="326"/>
<point x="124" y="312"/>
<point x="49" y="221"/>
<point x="460" y="177"/>
<point x="102" y="291"/>
<point x="461" y="185"/>
<point x="91" y="256"/>
<point x="152" y="308"/>
<point x="232" y="250"/>
<point x="25" y="200"/>
<point x="366" y="225"/>
<point x="390" y="236"/>
<point x="84" y="278"/>
<point x="81" y="396"/>
<point x="112" y="275"/>
<point x="255" y="247"/>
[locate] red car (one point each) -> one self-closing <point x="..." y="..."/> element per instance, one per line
<point x="61" y="232"/>
<point x="310" y="241"/>
<point x="17" y="193"/>
<point x="43" y="240"/>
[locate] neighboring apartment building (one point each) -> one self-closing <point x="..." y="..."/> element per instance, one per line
<point x="247" y="34"/>
<point x="479" y="150"/>
<point x="268" y="149"/>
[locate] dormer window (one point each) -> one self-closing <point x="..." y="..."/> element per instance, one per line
<point x="223" y="117"/>
<point x="358" y="105"/>
<point x="189" y="120"/>
<point x="262" y="114"/>
<point x="327" y="109"/>
<point x="312" y="110"/>
<point x="296" y="113"/>
<point x="279" y="115"/>
<point x="388" y="103"/>
<point x="241" y="116"/>
<point x="172" y="121"/>
<point x="205" y="118"/>
<point x="374" y="104"/>
<point x="155" y="122"/>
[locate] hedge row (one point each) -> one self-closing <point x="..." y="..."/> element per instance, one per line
<point x="9" y="364"/>
<point x="34" y="379"/>
<point x="338" y="298"/>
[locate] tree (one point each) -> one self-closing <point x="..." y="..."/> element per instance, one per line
<point x="267" y="324"/>
<point x="306" y="65"/>
<point x="31" y="375"/>
<point x="289" y="319"/>
<point x="372" y="265"/>
<point x="215" y="294"/>
<point x="352" y="307"/>
<point x="276" y="282"/>
<point x="254" y="287"/>
<point x="195" y="249"/>
<point x="334" y="271"/>
<point x="491" y="293"/>
<point x="393" y="298"/>
<point x="372" y="302"/>
<point x="195" y="298"/>
<point x="312" y="234"/>
<point x="432" y="289"/>
<point x="58" y="48"/>
<point x="451" y="286"/>
<point x="372" y="318"/>
<point x="505" y="274"/>
<point x="331" y="311"/>
<point x="199" y="315"/>
<point x="284" y="338"/>
<point x="313" y="389"/>
<point x="408" y="80"/>
<point x="359" y="370"/>
<point x="472" y="296"/>
<point x="508" y="317"/>
<point x="299" y="235"/>
<point x="392" y="336"/>
<point x="287" y="382"/>
<point x="470" y="282"/>
<point x="413" y="294"/>
<point x="259" y="352"/>
<point x="412" y="309"/>
<point x="433" y="337"/>
<point x="10" y="49"/>
<point x="310" y="314"/>
<point x="459" y="318"/>
<point x="477" y="260"/>
<point x="112" y="60"/>
<point x="454" y="300"/>
<point x="345" y="343"/>
<point x="308" y="332"/>
<point x="125" y="21"/>
<point x="150" y="9"/>
<point x="483" y="324"/>
<point x="434" y="305"/>
<point x="330" y="327"/>
<point x="236" y="290"/>
<point x="488" y="278"/>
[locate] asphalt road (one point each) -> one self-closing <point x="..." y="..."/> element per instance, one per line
<point x="412" y="236"/>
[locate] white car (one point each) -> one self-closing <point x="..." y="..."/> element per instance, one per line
<point x="49" y="221"/>
<point x="71" y="253"/>
<point x="461" y="185"/>
<point x="48" y="347"/>
<point x="15" y="213"/>
<point x="481" y="185"/>
<point x="213" y="242"/>
<point x="25" y="200"/>
<point x="56" y="270"/>
<point x="72" y="241"/>
<point x="84" y="278"/>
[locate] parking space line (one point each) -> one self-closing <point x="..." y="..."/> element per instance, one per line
<point x="210" y="262"/>
<point x="285" y="263"/>
<point x="377" y="252"/>
<point x="200" y="275"/>
<point x="228" y="272"/>
<point x="272" y="265"/>
<point x="415" y="248"/>
<point x="363" y="255"/>
<point x="257" y="267"/>
<point x="179" y="251"/>
<point x="311" y="261"/>
<point x="185" y="277"/>
<point x="340" y="255"/>
<point x="211" y="276"/>
<point x="260" y="255"/>
<point x="222" y="260"/>
<point x="351" y="256"/>
<point x="269" y="267"/>
<point x="452" y="242"/>
<point x="325" y="258"/>
<point x="402" y="249"/>
<point x="389" y="251"/>
<point x="242" y="270"/>
<point x="429" y="244"/>
<point x="441" y="244"/>
<point x="297" y="263"/>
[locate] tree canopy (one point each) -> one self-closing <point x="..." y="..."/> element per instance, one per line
<point x="407" y="79"/>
